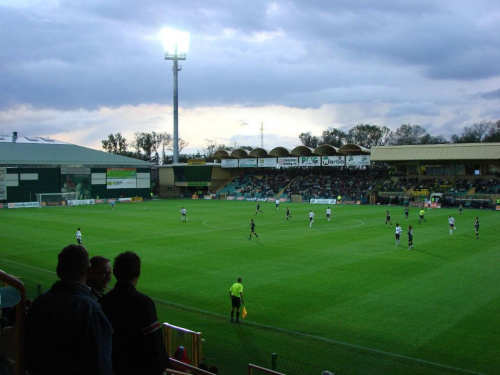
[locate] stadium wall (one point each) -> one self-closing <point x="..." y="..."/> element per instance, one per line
<point x="22" y="184"/>
<point x="186" y="180"/>
<point x="166" y="181"/>
<point x="221" y="177"/>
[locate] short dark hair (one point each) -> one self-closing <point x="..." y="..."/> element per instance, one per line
<point x="98" y="261"/>
<point x="73" y="262"/>
<point x="127" y="266"/>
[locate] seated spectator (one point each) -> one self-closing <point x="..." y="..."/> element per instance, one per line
<point x="66" y="330"/>
<point x="181" y="355"/>
<point x="137" y="341"/>
<point x="99" y="276"/>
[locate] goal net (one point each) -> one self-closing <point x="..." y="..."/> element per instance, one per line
<point x="54" y="199"/>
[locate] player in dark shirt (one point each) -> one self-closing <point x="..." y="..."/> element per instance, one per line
<point x="476" y="227"/>
<point x="388" y="218"/>
<point x="410" y="238"/>
<point x="252" y="230"/>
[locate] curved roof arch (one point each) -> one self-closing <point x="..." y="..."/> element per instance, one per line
<point x="221" y="154"/>
<point x="326" y="150"/>
<point x="302" y="151"/>
<point x="353" y="149"/>
<point x="279" y="151"/>
<point x="240" y="153"/>
<point x="259" y="152"/>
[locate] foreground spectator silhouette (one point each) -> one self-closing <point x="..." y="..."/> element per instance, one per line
<point x="66" y="330"/>
<point x="99" y="276"/>
<point x="137" y="341"/>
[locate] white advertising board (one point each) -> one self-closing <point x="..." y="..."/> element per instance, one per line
<point x="248" y="163"/>
<point x="268" y="162"/>
<point x="229" y="163"/>
<point x="358" y="160"/>
<point x="287" y="162"/>
<point x="333" y="161"/>
<point x="310" y="161"/>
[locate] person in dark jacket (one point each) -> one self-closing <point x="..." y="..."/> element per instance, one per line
<point x="66" y="329"/>
<point x="138" y="346"/>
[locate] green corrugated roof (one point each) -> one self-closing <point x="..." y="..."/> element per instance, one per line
<point x="13" y="153"/>
<point x="458" y="151"/>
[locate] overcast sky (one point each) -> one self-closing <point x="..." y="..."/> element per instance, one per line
<point x="78" y="70"/>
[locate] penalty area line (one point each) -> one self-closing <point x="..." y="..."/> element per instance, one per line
<point x="324" y="339"/>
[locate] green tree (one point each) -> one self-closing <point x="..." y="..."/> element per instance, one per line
<point x="484" y="131"/>
<point x="494" y="133"/>
<point x="143" y="143"/>
<point x="368" y="136"/>
<point x="309" y="140"/>
<point x="408" y="134"/>
<point x="168" y="159"/>
<point x="210" y="148"/>
<point x="433" y="140"/>
<point x="115" y="144"/>
<point x="334" y="137"/>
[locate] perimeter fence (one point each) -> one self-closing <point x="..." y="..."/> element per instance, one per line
<point x="233" y="358"/>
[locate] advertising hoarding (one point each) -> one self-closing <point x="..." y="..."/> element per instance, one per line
<point x="121" y="178"/>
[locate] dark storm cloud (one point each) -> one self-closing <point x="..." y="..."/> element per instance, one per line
<point x="92" y="54"/>
<point x="405" y="109"/>
<point x="495" y="94"/>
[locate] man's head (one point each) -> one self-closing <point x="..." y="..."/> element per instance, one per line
<point x="100" y="272"/>
<point x="73" y="263"/>
<point x="239" y="279"/>
<point x="127" y="266"/>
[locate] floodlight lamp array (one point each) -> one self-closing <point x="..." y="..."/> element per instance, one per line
<point x="175" y="56"/>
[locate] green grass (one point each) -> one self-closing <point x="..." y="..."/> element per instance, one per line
<point x="338" y="296"/>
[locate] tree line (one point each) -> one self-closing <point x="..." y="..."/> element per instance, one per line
<point x="153" y="146"/>
<point x="367" y="135"/>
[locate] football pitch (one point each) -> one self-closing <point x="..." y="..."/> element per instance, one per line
<point x="339" y="295"/>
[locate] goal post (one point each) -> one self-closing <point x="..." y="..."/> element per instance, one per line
<point x="54" y="199"/>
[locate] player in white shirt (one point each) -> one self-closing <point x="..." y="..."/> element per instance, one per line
<point x="451" y="223"/>
<point x="397" y="234"/>
<point x="311" y="218"/>
<point x="79" y="236"/>
<point x="277" y="202"/>
<point x="328" y="213"/>
<point x="183" y="214"/>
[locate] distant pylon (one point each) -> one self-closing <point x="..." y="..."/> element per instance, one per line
<point x="261" y="135"/>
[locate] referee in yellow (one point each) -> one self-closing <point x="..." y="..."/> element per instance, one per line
<point x="236" y="295"/>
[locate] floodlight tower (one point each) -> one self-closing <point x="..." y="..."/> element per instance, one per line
<point x="176" y="45"/>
